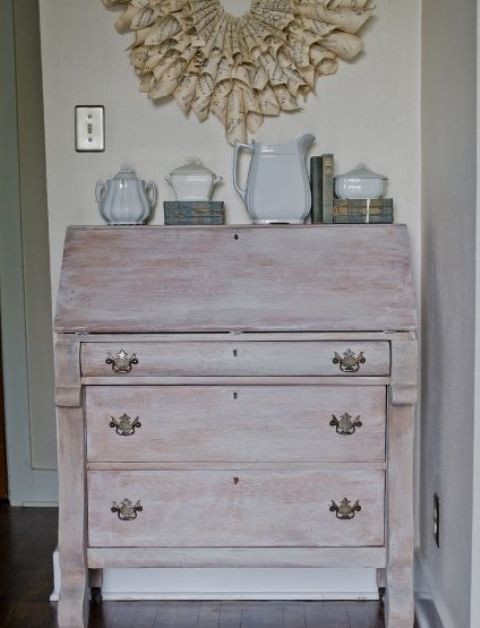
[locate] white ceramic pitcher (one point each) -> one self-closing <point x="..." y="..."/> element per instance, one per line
<point x="278" y="188"/>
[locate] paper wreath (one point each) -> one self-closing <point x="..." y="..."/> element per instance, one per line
<point x="239" y="68"/>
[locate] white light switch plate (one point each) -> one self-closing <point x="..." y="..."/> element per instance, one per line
<point x="89" y="128"/>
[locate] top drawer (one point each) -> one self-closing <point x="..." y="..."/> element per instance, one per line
<point x="230" y="358"/>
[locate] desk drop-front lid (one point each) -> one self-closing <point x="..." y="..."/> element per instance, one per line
<point x="245" y="278"/>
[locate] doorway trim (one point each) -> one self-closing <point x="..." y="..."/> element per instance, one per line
<point x="27" y="486"/>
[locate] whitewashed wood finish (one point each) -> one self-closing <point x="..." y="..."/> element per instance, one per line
<point x="235" y="381"/>
<point x="73" y="601"/>
<point x="225" y="423"/>
<point x="282" y="278"/>
<point x="237" y="508"/>
<point x="399" y="611"/>
<point x="404" y="388"/>
<point x="264" y="358"/>
<point x="349" y="286"/>
<point x="228" y="466"/>
<point x="67" y="372"/>
<point x="248" y="336"/>
<point x="277" y="557"/>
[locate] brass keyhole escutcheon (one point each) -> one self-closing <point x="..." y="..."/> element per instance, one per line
<point x="121" y="362"/>
<point x="127" y="510"/>
<point x="346" y="425"/>
<point x="125" y="425"/>
<point x="349" y="363"/>
<point x="346" y="510"/>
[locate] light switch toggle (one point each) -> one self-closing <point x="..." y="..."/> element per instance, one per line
<point x="89" y="128"/>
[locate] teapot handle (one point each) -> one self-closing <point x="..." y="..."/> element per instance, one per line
<point x="236" y="152"/>
<point x="151" y="190"/>
<point x="100" y="191"/>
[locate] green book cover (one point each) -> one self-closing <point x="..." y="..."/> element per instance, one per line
<point x="327" y="188"/>
<point x="316" y="188"/>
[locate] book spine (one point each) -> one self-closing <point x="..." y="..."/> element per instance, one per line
<point x="316" y="188"/>
<point x="327" y="188"/>
<point x="361" y="211"/>
<point x="353" y="220"/>
<point x="361" y="203"/>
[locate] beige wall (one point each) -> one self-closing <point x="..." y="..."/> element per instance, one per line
<point x="448" y="253"/>
<point x="369" y="111"/>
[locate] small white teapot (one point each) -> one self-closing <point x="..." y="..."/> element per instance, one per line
<point x="125" y="199"/>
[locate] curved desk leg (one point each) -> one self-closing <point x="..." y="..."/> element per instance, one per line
<point x="399" y="611"/>
<point x="73" y="601"/>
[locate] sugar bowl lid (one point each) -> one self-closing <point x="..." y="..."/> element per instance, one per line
<point x="125" y="172"/>
<point x="361" y="172"/>
<point x="194" y="166"/>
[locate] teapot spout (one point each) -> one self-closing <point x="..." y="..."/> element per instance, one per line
<point x="304" y="142"/>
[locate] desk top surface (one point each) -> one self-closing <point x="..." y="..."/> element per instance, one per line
<point x="236" y="278"/>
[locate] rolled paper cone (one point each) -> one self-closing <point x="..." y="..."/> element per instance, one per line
<point x="235" y="121"/>
<point x="240" y="69"/>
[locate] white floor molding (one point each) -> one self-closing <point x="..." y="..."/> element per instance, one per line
<point x="238" y="584"/>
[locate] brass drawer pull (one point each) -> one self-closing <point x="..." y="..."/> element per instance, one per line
<point x="121" y="362"/>
<point x="346" y="510"/>
<point x="346" y="425"/>
<point x="125" y="425"/>
<point x="350" y="363"/>
<point x="127" y="511"/>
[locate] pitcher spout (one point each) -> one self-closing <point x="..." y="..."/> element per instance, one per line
<point x="304" y="142"/>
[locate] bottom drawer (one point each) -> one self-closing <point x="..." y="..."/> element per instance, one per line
<point x="235" y="508"/>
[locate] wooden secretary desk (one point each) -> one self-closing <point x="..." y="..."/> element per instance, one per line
<point x="236" y="396"/>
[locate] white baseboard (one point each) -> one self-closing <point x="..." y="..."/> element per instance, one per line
<point x="430" y="608"/>
<point x="234" y="584"/>
<point x="39" y="504"/>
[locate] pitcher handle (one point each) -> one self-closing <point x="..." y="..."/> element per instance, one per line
<point x="236" y="152"/>
<point x="151" y="190"/>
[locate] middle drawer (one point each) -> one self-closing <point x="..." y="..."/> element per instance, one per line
<point x="235" y="424"/>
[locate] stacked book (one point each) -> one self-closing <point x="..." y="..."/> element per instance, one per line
<point x="328" y="209"/>
<point x="194" y="212"/>
<point x="377" y="210"/>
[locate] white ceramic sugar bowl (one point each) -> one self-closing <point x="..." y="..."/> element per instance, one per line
<point x="193" y="181"/>
<point x="125" y="199"/>
<point x="360" y="183"/>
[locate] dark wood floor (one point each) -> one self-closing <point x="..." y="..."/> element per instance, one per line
<point x="28" y="538"/>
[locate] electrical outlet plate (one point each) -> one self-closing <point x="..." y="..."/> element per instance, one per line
<point x="436" y="519"/>
<point x="89" y="128"/>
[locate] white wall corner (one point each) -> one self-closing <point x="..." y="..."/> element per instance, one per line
<point x="430" y="608"/>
